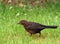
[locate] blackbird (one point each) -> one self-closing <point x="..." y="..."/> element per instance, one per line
<point x="33" y="27"/>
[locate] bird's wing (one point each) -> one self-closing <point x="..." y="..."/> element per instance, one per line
<point x="34" y="26"/>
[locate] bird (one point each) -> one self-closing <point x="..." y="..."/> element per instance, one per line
<point x="33" y="27"/>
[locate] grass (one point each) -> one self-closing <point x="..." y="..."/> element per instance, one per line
<point x="12" y="33"/>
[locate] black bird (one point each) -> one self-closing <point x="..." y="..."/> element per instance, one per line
<point x="33" y="27"/>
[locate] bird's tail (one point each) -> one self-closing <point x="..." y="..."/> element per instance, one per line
<point x="50" y="26"/>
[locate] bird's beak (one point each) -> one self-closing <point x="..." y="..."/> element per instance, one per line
<point x="18" y="23"/>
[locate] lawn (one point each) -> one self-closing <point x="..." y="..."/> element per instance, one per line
<point x="13" y="33"/>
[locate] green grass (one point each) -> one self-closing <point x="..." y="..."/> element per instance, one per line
<point x="12" y="33"/>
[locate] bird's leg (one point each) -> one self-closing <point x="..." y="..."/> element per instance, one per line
<point x="30" y="34"/>
<point x="39" y="34"/>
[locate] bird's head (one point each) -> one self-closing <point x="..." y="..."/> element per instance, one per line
<point x="23" y="22"/>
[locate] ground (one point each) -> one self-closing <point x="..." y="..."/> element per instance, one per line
<point x="13" y="33"/>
